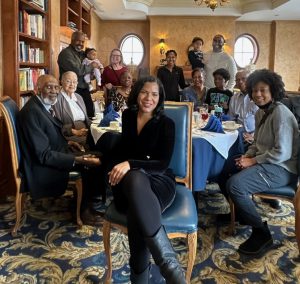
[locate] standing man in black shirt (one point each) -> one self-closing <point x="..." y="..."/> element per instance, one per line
<point x="171" y="76"/>
<point x="70" y="59"/>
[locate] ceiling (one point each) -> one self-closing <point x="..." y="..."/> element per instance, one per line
<point x="244" y="10"/>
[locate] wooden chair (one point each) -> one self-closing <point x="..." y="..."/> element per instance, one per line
<point x="180" y="219"/>
<point x="9" y="110"/>
<point x="288" y="193"/>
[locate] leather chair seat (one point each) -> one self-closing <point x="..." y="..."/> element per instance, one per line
<point x="180" y="217"/>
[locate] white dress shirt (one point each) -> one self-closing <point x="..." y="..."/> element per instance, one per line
<point x="241" y="105"/>
<point x="77" y="112"/>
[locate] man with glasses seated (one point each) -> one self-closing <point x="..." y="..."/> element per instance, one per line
<point x="47" y="157"/>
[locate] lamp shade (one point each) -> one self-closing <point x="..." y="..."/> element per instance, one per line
<point x="162" y="40"/>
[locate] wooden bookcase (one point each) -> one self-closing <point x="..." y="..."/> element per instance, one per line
<point x="76" y="14"/>
<point x="18" y="39"/>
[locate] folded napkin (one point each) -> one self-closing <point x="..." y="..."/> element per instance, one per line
<point x="214" y="125"/>
<point x="109" y="115"/>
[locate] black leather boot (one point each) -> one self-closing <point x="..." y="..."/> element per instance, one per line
<point x="165" y="257"/>
<point x="141" y="278"/>
<point x="259" y="240"/>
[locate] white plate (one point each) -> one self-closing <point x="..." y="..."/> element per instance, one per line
<point x="231" y="127"/>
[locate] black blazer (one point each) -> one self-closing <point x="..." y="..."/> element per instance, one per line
<point x="45" y="158"/>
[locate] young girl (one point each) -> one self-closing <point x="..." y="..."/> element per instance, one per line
<point x="196" y="55"/>
<point x="91" y="56"/>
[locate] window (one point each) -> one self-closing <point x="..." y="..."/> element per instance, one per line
<point x="132" y="49"/>
<point x="245" y="50"/>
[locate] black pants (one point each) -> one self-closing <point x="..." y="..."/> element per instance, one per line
<point x="86" y="95"/>
<point x="135" y="196"/>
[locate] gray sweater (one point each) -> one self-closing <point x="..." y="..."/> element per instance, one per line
<point x="276" y="141"/>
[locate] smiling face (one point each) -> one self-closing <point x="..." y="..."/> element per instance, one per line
<point x="126" y="79"/>
<point x="217" y="44"/>
<point x="241" y="79"/>
<point x="261" y="94"/>
<point x="78" y="41"/>
<point x="198" y="79"/>
<point x="69" y="82"/>
<point x="48" y="89"/>
<point x="116" y="57"/>
<point x="148" y="98"/>
<point x="171" y="59"/>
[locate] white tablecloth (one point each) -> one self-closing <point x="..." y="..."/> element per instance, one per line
<point x="97" y="131"/>
<point x="222" y="142"/>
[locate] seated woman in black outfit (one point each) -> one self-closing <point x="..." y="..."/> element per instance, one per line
<point x="142" y="184"/>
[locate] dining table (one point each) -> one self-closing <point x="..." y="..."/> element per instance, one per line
<point x="209" y="153"/>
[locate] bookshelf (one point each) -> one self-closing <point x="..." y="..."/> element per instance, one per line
<point x="76" y="15"/>
<point x="26" y="46"/>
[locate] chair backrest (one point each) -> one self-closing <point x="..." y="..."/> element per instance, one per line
<point x="9" y="110"/>
<point x="181" y="162"/>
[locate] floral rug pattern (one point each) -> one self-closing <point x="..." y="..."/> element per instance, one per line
<point x="51" y="250"/>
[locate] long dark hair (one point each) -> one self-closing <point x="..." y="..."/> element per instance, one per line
<point x="135" y="91"/>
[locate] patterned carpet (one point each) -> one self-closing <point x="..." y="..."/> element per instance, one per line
<point x="52" y="250"/>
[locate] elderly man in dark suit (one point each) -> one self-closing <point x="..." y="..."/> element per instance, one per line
<point x="47" y="156"/>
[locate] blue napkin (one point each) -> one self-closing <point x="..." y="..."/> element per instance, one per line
<point x="214" y="125"/>
<point x="109" y="115"/>
<point x="226" y="117"/>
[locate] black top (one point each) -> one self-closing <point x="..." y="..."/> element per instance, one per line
<point x="171" y="80"/>
<point x="218" y="97"/>
<point x="196" y="59"/>
<point x="152" y="149"/>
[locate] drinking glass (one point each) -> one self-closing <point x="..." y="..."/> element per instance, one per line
<point x="203" y="110"/>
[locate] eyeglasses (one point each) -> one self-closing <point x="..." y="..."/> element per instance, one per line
<point x="69" y="82"/>
<point x="52" y="87"/>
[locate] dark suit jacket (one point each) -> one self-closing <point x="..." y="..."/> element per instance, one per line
<point x="70" y="60"/>
<point x="46" y="160"/>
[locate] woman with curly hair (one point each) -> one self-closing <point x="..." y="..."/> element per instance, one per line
<point x="270" y="162"/>
<point x="143" y="185"/>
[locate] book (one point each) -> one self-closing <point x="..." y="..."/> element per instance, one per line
<point x="40" y="3"/>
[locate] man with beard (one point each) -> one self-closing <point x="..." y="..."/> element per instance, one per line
<point x="216" y="59"/>
<point x="70" y="59"/>
<point x="47" y="157"/>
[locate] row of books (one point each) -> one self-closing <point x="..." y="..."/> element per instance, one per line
<point x="30" y="54"/>
<point x="28" y="78"/>
<point x="32" y="24"/>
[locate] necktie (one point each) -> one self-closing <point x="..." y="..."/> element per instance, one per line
<point x="51" y="110"/>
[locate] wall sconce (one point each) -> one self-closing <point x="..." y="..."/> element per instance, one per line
<point x="162" y="44"/>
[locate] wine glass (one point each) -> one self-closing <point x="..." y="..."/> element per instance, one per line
<point x="203" y="110"/>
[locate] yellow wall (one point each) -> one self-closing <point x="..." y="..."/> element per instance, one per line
<point x="279" y="42"/>
<point x="287" y="53"/>
<point x="112" y="32"/>
<point x="179" y="32"/>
